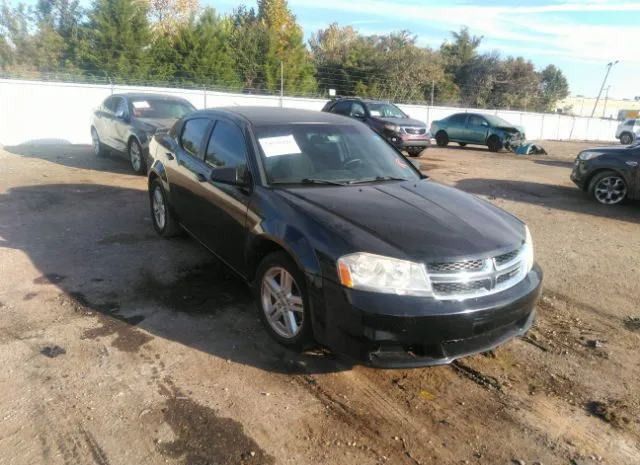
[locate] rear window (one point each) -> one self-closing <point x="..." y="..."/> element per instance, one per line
<point x="458" y="118"/>
<point x="157" y="108"/>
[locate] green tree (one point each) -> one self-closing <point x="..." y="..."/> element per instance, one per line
<point x="248" y="40"/>
<point x="118" y="38"/>
<point x="553" y="87"/>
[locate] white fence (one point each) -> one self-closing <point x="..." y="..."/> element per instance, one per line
<point x="36" y="111"/>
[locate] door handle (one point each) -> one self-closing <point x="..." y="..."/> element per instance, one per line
<point x="632" y="163"/>
<point x="200" y="177"/>
<point x="170" y="156"/>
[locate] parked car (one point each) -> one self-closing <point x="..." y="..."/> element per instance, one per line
<point x="473" y="128"/>
<point x="341" y="239"/>
<point x="125" y="123"/>
<point x="609" y="174"/>
<point x="387" y="120"/>
<point x="628" y="131"/>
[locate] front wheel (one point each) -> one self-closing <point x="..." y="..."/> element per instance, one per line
<point x="163" y="220"/>
<point x="442" y="139"/>
<point x="608" y="188"/>
<point x="462" y="144"/>
<point x="281" y="297"/>
<point x="136" y="157"/>
<point x="414" y="151"/>
<point x="494" y="144"/>
<point x="98" y="147"/>
<point x="626" y="138"/>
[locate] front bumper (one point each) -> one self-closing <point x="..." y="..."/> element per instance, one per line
<point x="384" y="330"/>
<point x="404" y="141"/>
<point x="579" y="174"/>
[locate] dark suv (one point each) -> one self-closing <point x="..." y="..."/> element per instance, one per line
<point x="387" y="120"/>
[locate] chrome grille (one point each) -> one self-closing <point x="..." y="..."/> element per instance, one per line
<point x="506" y="258"/>
<point x="461" y="288"/>
<point x="456" y="267"/>
<point x="467" y="279"/>
<point x="415" y="131"/>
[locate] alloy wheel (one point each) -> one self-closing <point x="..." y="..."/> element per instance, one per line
<point x="95" y="140"/>
<point x="136" y="156"/>
<point x="282" y="302"/>
<point x="610" y="190"/>
<point x="159" y="208"/>
<point x="626" y="139"/>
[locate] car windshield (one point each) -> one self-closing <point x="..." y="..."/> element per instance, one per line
<point x="497" y="121"/>
<point x="329" y="153"/>
<point x="157" y="108"/>
<point x="385" y="110"/>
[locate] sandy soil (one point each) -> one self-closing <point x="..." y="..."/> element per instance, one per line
<point x="118" y="347"/>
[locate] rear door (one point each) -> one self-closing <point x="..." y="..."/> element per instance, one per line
<point x="477" y="129"/>
<point x="187" y="172"/>
<point x="226" y="204"/>
<point x="457" y="127"/>
<point x="104" y="120"/>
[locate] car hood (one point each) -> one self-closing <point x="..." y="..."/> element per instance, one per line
<point x="511" y="128"/>
<point x="403" y="122"/>
<point x="422" y="220"/>
<point x="156" y="123"/>
<point x="613" y="149"/>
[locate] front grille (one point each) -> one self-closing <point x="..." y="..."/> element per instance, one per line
<point x="507" y="276"/>
<point x="448" y="289"/>
<point x="415" y="131"/>
<point x="506" y="258"/>
<point x="456" y="267"/>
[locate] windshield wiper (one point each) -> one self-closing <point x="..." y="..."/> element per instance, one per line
<point x="321" y="181"/>
<point x="379" y="178"/>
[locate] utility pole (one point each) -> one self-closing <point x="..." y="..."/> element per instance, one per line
<point x="609" y="66"/>
<point x="606" y="99"/>
<point x="281" y="84"/>
<point x="433" y="88"/>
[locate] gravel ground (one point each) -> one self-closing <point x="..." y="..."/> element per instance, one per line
<point x="118" y="347"/>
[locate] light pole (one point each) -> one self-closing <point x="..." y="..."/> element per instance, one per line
<point x="606" y="99"/>
<point x="609" y="66"/>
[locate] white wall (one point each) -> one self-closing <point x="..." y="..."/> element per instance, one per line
<point x="33" y="111"/>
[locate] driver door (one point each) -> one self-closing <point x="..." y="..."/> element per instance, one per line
<point x="120" y="126"/>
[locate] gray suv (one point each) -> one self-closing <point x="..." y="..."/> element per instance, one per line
<point x="125" y="123"/>
<point x="628" y="131"/>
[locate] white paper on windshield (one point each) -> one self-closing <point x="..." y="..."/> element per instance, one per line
<point x="141" y="105"/>
<point x="281" y="145"/>
<point x="374" y="112"/>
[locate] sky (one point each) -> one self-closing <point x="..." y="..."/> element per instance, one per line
<point x="578" y="36"/>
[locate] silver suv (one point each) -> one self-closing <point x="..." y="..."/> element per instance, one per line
<point x="628" y="131"/>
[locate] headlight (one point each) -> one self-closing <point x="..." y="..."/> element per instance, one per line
<point x="386" y="275"/>
<point x="392" y="127"/>
<point x="588" y="155"/>
<point x="528" y="250"/>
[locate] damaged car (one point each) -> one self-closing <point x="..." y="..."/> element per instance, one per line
<point x="478" y="129"/>
<point x="342" y="240"/>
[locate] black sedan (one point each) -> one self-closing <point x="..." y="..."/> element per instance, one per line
<point x="341" y="239"/>
<point x="609" y="174"/>
<point x="125" y="123"/>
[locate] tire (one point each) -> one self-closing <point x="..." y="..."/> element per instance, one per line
<point x="164" y="223"/>
<point x="462" y="144"/>
<point x="494" y="143"/>
<point x="98" y="147"/>
<point x="414" y="151"/>
<point x="136" y="157"/>
<point x="272" y="301"/>
<point x="608" y="188"/>
<point x="442" y="139"/>
<point x="626" y="138"/>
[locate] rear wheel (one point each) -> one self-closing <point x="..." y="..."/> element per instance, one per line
<point x="136" y="157"/>
<point x="282" y="301"/>
<point x="494" y="144"/>
<point x="98" y="147"/>
<point x="626" y="138"/>
<point x="163" y="221"/>
<point x="442" y="139"/>
<point x="608" y="188"/>
<point x="462" y="144"/>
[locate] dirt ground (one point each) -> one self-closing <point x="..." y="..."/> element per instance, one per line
<point x="118" y="347"/>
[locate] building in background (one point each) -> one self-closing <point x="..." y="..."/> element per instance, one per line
<point x="607" y="107"/>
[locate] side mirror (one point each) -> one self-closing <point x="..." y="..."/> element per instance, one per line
<point x="231" y="175"/>
<point x="359" y="115"/>
<point x="120" y="114"/>
<point x="166" y="141"/>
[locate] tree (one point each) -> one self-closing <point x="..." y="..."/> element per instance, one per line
<point x="118" y="39"/>
<point x="248" y="40"/>
<point x="553" y="87"/>
<point x="167" y="15"/>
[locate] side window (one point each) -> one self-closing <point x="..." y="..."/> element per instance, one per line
<point x="475" y="120"/>
<point x="458" y="118"/>
<point x="226" y="147"/>
<point x="357" y="110"/>
<point x="121" y="106"/>
<point x="342" y="108"/>
<point x="193" y="135"/>
<point x="110" y="103"/>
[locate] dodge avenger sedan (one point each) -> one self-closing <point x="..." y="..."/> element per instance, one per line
<point x="342" y="240"/>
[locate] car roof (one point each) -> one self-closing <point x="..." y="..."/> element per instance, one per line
<point x="265" y="116"/>
<point x="142" y="95"/>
